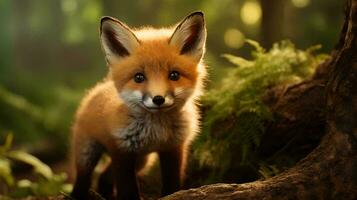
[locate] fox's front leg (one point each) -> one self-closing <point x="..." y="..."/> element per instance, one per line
<point x="125" y="176"/>
<point x="106" y="184"/>
<point x="86" y="155"/>
<point x="172" y="163"/>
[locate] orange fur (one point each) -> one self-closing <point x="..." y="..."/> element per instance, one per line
<point x="111" y="112"/>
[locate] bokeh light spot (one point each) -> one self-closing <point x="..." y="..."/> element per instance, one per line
<point x="68" y="5"/>
<point x="300" y="3"/>
<point x="92" y="11"/>
<point x="251" y="12"/>
<point x="233" y="38"/>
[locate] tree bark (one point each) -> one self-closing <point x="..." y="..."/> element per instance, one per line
<point x="330" y="170"/>
<point x="271" y="26"/>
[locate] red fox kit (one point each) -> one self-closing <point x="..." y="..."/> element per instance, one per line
<point x="146" y="104"/>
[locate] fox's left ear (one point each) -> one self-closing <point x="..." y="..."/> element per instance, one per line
<point x="118" y="41"/>
<point x="190" y="36"/>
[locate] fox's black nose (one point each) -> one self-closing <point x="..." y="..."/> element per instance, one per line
<point x="158" y="100"/>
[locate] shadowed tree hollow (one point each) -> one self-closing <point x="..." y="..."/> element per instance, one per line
<point x="325" y="105"/>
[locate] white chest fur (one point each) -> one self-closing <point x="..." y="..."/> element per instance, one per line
<point x="149" y="132"/>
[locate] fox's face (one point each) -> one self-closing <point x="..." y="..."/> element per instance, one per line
<point x="155" y="72"/>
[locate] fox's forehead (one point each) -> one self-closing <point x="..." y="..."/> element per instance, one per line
<point x="154" y="44"/>
<point x="149" y="33"/>
<point x="156" y="52"/>
<point x="157" y="56"/>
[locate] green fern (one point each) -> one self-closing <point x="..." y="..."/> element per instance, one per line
<point x="234" y="122"/>
<point x="47" y="183"/>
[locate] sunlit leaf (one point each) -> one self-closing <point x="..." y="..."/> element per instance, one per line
<point x="313" y="48"/>
<point x="38" y="165"/>
<point x="23" y="188"/>
<point x="67" y="188"/>
<point x="8" y="141"/>
<point x="5" y="171"/>
<point x="7" y="145"/>
<point x="239" y="61"/>
<point x="21" y="103"/>
<point x="24" y="183"/>
<point x="256" y="45"/>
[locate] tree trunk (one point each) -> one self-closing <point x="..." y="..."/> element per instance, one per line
<point x="271" y="26"/>
<point x="330" y="170"/>
<point x="299" y="115"/>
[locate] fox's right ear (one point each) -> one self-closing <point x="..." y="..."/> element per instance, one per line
<point x="117" y="40"/>
<point x="190" y="36"/>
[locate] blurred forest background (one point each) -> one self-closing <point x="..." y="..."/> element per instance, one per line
<point x="50" y="51"/>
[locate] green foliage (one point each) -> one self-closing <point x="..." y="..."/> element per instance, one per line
<point x="39" y="115"/>
<point x="47" y="183"/>
<point x="235" y="117"/>
<point x="20" y="103"/>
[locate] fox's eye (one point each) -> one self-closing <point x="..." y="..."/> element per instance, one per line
<point x="174" y="75"/>
<point x="139" y="77"/>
